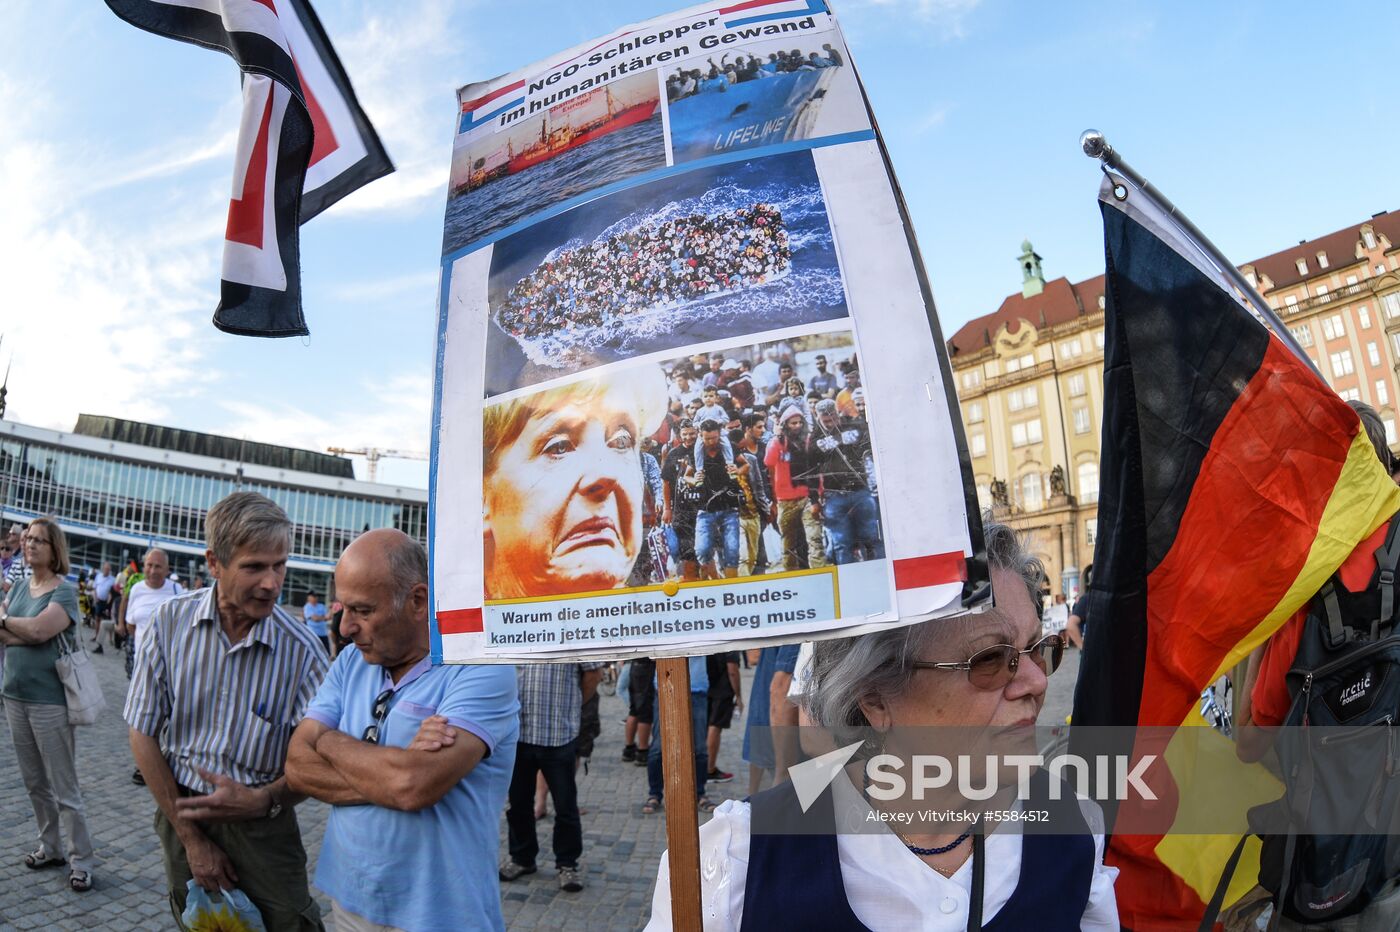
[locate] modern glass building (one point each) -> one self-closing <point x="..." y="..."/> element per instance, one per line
<point x="120" y="487"/>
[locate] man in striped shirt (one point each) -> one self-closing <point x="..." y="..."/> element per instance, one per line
<point x="228" y="675"/>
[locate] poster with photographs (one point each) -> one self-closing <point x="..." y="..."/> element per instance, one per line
<point x="690" y="389"/>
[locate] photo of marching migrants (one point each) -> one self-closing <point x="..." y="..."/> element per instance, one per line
<point x="800" y="87"/>
<point x="736" y="463"/>
<point x="584" y="142"/>
<point x="706" y="255"/>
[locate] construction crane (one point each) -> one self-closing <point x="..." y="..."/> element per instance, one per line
<point x="373" y="455"/>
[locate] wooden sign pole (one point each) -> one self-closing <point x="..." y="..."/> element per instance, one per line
<point x="678" y="769"/>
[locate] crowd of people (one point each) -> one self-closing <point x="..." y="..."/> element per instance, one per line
<point x="380" y="733"/>
<point x="743" y="448"/>
<point x="417" y="761"/>
<point x="687" y="82"/>
<point x="652" y="266"/>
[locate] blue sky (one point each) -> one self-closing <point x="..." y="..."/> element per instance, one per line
<point x="1266" y="123"/>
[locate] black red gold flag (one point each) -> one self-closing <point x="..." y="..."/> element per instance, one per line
<point x="1235" y="482"/>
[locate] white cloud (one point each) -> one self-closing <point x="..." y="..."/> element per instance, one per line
<point x="947" y="16"/>
<point x="933" y="119"/>
<point x="390" y="412"/>
<point x="95" y="316"/>
<point x="403" y="62"/>
<point x="158" y="162"/>
<point x="415" y="286"/>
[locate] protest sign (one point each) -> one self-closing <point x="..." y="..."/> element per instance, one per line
<point x="689" y="221"/>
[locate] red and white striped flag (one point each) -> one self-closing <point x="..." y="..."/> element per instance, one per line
<point x="303" y="144"/>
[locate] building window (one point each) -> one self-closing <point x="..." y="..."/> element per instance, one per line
<point x="1368" y="238"/>
<point x="1382" y="393"/>
<point x="1024" y="433"/>
<point x="1249" y="277"/>
<point x="1373" y="353"/>
<point x="1022" y="398"/>
<point x="984" y="496"/>
<point x="1021" y="362"/>
<point x="1322" y="294"/>
<point x="1076" y="385"/>
<point x="1341" y="363"/>
<point x="972" y="378"/>
<point x="1395" y="344"/>
<point x="1091" y="531"/>
<point x="977" y="444"/>
<point x="1389" y="423"/>
<point x="1303" y="334"/>
<point x="1334" y="327"/>
<point x="1071" y="348"/>
<point x="1391" y="303"/>
<point x="1363" y="314"/>
<point x="1290" y="301"/>
<point x="1081" y="420"/>
<point x="1322" y="260"/>
<point x="1088" y="482"/>
<point x="1030" y="492"/>
<point x="1098" y="340"/>
<point x="1302" y="266"/>
<point x="1350" y="394"/>
<point x="1101" y="302"/>
<point x="974" y="412"/>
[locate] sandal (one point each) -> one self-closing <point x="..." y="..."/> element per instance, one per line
<point x="80" y="881"/>
<point x="705" y="804"/>
<point x="651" y="805"/>
<point x="37" y="860"/>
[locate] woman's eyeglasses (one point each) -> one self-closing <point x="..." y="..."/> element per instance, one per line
<point x="380" y="710"/>
<point x="994" y="667"/>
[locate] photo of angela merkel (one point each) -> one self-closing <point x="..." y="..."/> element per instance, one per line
<point x="562" y="484"/>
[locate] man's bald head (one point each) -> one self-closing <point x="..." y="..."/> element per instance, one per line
<point x="402" y="559"/>
<point x="382" y="580"/>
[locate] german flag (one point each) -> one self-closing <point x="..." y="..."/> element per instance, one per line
<point x="1235" y="482"/>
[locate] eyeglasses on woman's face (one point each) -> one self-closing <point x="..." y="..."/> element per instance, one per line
<point x="34" y="541"/>
<point x="994" y="667"/>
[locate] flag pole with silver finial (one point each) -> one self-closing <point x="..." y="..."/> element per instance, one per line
<point x="1097" y="147"/>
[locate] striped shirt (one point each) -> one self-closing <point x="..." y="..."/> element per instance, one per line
<point x="551" y="701"/>
<point x="228" y="708"/>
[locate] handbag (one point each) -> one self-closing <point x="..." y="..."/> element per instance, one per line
<point x="81" y="691"/>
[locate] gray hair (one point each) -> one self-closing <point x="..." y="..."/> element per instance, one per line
<point x="848" y="671"/>
<point x="1375" y="430"/>
<point x="408" y="567"/>
<point x="245" y="519"/>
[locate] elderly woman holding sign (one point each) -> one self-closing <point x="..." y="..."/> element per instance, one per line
<point x="562" y="484"/>
<point x="986" y="673"/>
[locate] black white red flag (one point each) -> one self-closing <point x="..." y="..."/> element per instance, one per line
<point x="303" y="144"/>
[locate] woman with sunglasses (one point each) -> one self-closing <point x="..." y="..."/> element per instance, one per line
<point x="977" y="677"/>
<point x="38" y="612"/>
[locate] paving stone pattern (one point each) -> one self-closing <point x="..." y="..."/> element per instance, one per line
<point x="621" y="846"/>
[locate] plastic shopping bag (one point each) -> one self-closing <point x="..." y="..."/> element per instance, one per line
<point x="232" y="911"/>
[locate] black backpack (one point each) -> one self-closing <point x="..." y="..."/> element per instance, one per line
<point x="1344" y="679"/>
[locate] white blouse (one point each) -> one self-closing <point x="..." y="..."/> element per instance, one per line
<point x="886" y="884"/>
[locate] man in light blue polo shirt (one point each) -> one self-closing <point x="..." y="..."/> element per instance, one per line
<point x="415" y="759"/>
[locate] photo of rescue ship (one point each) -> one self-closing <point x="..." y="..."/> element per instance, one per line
<point x="562" y="128"/>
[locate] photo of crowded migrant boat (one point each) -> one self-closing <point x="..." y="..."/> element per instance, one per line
<point x="503" y="173"/>
<point x="711" y="254"/>
<point x="761" y="96"/>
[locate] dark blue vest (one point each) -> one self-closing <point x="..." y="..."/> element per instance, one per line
<point x="794" y="881"/>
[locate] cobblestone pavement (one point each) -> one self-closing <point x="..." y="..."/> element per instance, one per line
<point x="621" y="846"/>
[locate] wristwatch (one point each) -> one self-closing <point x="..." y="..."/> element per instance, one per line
<point x="275" y="809"/>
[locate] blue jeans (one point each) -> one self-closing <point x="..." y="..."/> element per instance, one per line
<point x="852" y="520"/>
<point x="709" y="525"/>
<point x="699" y="726"/>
